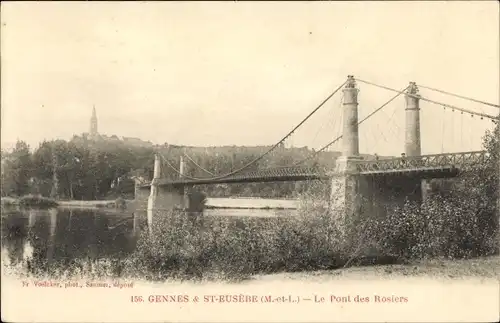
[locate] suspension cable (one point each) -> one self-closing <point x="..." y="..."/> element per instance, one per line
<point x="458" y="96"/>
<point x="432" y="101"/>
<point x="270" y="149"/>
<point x="196" y="164"/>
<point x="360" y="122"/>
<point x="175" y="169"/>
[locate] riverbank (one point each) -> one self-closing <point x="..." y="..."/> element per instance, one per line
<point x="479" y="268"/>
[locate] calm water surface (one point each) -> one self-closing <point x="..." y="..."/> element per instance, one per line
<point x="59" y="236"/>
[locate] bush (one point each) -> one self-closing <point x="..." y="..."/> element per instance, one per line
<point x="460" y="224"/>
<point x="225" y="247"/>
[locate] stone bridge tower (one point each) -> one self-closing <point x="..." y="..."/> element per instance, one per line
<point x="412" y="130"/>
<point x="344" y="196"/>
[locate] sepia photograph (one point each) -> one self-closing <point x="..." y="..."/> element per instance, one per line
<point x="277" y="161"/>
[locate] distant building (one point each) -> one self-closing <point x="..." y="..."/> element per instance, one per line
<point x="137" y="142"/>
<point x="109" y="138"/>
<point x="94" y="134"/>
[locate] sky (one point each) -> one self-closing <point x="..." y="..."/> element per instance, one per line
<point x="245" y="73"/>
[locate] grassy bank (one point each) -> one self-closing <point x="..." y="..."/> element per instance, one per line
<point x="483" y="267"/>
<point x="236" y="248"/>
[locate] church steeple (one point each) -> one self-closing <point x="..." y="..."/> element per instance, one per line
<point x="93" y="124"/>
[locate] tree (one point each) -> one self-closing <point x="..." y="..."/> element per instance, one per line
<point x="17" y="170"/>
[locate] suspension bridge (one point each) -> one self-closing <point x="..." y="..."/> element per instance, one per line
<point x="402" y="174"/>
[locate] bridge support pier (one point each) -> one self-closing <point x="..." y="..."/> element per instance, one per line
<point x="344" y="198"/>
<point x="344" y="194"/>
<point x="357" y="198"/>
<point x="153" y="192"/>
<point x="171" y="197"/>
<point x="158" y="197"/>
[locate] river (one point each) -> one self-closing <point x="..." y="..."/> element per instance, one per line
<point x="60" y="237"/>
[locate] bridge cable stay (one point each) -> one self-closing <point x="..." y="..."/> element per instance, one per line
<point x="339" y="121"/>
<point x="453" y="130"/>
<point x="397" y="132"/>
<point x="382" y="133"/>
<point x="458" y="96"/>
<point x="461" y="129"/>
<point x="269" y="150"/>
<point x="329" y="122"/>
<point x="472" y="113"/>
<point x="165" y="161"/>
<point x="359" y="123"/>
<point x="334" y="120"/>
<point x="374" y="133"/>
<point x="197" y="165"/>
<point x="442" y="130"/>
<point x="389" y="122"/>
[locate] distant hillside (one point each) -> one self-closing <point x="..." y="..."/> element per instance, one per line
<point x="104" y="139"/>
<point x="210" y="151"/>
<point x="203" y="162"/>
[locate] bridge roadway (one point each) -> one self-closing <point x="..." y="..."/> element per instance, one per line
<point x="425" y="166"/>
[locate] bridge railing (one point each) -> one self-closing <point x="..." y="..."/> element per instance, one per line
<point x="454" y="160"/>
<point x="462" y="161"/>
<point x="280" y="172"/>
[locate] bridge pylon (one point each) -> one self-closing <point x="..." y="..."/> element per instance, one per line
<point x="412" y="130"/>
<point x="182" y="167"/>
<point x="344" y="197"/>
<point x="412" y="137"/>
<point x="154" y="190"/>
<point x="350" y="132"/>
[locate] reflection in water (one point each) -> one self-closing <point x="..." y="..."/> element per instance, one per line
<point x="45" y="240"/>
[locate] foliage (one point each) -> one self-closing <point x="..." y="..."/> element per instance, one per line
<point x="458" y="219"/>
<point x="440" y="227"/>
<point x="104" y="169"/>
<point x="181" y="247"/>
<point x="226" y="247"/>
<point x="17" y="170"/>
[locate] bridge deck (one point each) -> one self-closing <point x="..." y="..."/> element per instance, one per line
<point x="426" y="166"/>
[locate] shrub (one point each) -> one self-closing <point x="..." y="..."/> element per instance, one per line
<point x="460" y="224"/>
<point x="225" y="247"/>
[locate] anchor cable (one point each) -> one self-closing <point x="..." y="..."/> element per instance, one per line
<point x="196" y="164"/>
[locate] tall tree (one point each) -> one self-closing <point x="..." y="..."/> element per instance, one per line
<point x="18" y="170"/>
